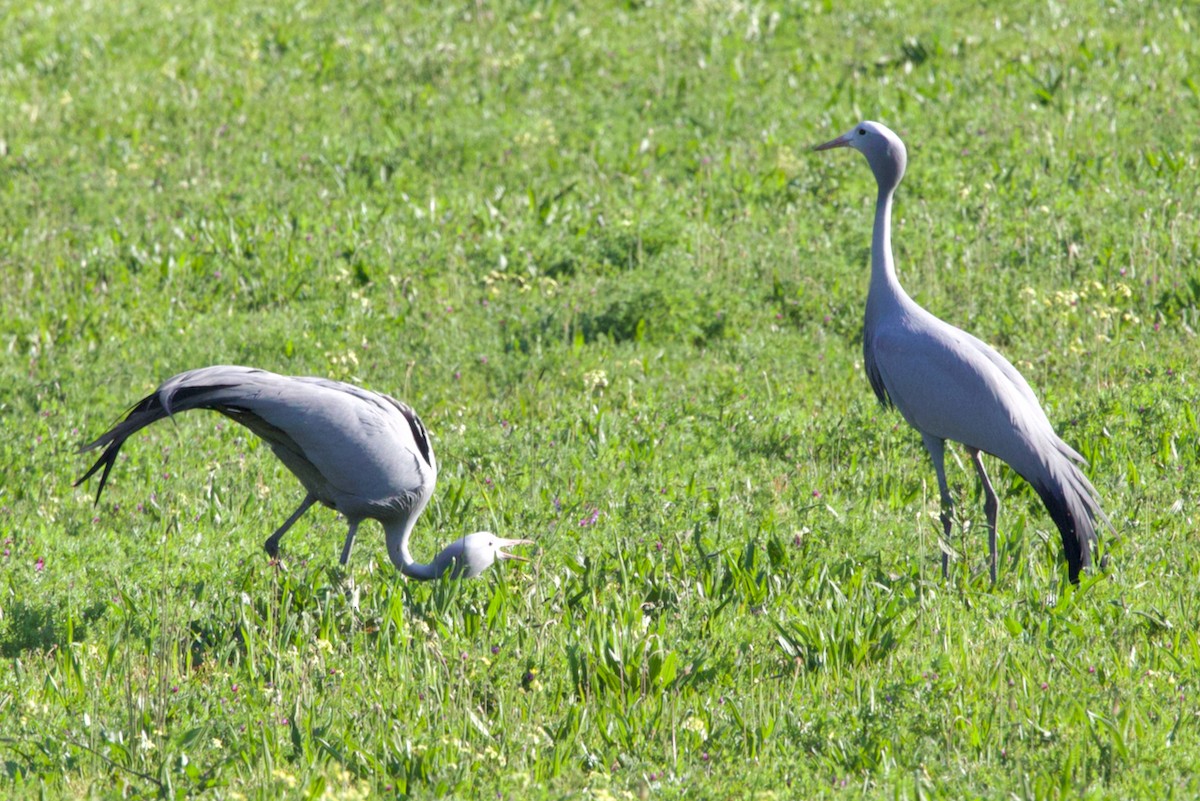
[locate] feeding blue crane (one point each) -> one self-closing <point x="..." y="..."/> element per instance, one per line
<point x="361" y="453"/>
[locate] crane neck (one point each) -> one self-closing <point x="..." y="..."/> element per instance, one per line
<point x="397" y="532"/>
<point x="885" y="287"/>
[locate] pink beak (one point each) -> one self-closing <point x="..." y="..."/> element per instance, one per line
<point x="503" y="543"/>
<point x="841" y="141"/>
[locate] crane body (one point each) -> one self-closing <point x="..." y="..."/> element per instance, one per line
<point x="949" y="385"/>
<point x="361" y="453"/>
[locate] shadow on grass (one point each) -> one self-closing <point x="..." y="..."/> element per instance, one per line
<point x="30" y="627"/>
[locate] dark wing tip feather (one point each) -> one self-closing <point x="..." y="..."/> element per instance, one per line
<point x="115" y="437"/>
<point x="154" y="406"/>
<point x="419" y="432"/>
<point x="107" y="459"/>
<point x="876" y="379"/>
<point x="181" y="397"/>
<point x="1074" y="522"/>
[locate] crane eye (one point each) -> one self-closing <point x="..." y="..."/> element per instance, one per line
<point x="862" y="131"/>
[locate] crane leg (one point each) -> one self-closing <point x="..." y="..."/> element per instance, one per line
<point x="937" y="452"/>
<point x="350" y="586"/>
<point x="349" y="542"/>
<point x="990" y="508"/>
<point x="272" y="544"/>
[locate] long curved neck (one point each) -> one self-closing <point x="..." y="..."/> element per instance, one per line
<point x="885" y="288"/>
<point x="397" y="532"/>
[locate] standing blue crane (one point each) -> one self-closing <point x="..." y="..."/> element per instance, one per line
<point x="950" y="385"/>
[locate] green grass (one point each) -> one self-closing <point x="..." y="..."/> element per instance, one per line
<point x="588" y="243"/>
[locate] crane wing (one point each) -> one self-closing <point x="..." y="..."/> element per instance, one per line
<point x="355" y="450"/>
<point x="872" y="368"/>
<point x="341" y="441"/>
<point x="950" y="385"/>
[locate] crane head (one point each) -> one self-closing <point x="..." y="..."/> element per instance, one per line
<point x="884" y="150"/>
<point x="470" y="556"/>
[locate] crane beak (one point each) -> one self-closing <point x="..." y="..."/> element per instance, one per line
<point x="841" y="141"/>
<point x="503" y="543"/>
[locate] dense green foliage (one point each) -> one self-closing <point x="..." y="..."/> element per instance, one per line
<point x="586" y="241"/>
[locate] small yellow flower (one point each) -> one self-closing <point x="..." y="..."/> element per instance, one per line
<point x="344" y="787"/>
<point x="595" y="379"/>
<point x="284" y="777"/>
<point x="695" y="724"/>
<point x="786" y="161"/>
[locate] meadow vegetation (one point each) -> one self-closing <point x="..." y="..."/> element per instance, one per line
<point x="587" y="242"/>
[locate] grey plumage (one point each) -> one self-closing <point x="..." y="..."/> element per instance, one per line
<point x="949" y="385"/>
<point x="362" y="453"/>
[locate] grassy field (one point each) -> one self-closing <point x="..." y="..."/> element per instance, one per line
<point x="589" y="244"/>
